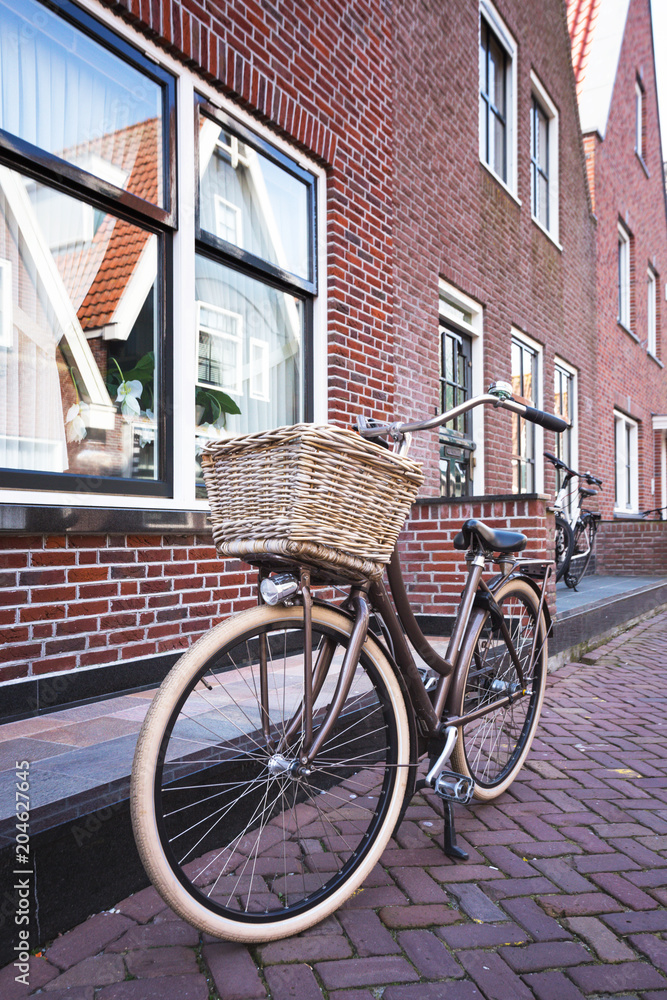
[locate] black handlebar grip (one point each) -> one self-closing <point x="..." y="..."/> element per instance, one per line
<point x="548" y="420"/>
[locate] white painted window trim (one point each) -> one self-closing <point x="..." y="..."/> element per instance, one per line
<point x="7" y="324"/>
<point x="475" y="330"/>
<point x="538" y="348"/>
<point x="624" y="263"/>
<point x="639" y="120"/>
<point x="551" y="112"/>
<point x="506" y="39"/>
<point x="574" y="431"/>
<point x="183" y="292"/>
<point x="621" y="422"/>
<point x="651" y="312"/>
<point x="233" y="338"/>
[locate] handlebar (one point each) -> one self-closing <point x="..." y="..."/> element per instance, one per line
<point x="498" y="395"/>
<point x="587" y="476"/>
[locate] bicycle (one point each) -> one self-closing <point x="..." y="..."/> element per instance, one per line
<point x="281" y="751"/>
<point x="575" y="527"/>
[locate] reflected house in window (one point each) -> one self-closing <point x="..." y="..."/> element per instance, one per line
<point x="83" y="309"/>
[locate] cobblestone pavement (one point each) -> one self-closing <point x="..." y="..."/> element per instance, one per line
<point x="563" y="897"/>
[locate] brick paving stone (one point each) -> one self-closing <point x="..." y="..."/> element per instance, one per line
<point x="97" y="970"/>
<point x="613" y="862"/>
<point x="608" y="947"/>
<point x="563" y="875"/>
<point x="650" y="879"/>
<point x="614" y="978"/>
<point x="545" y="955"/>
<point x="87" y="939"/>
<point x="426" y="915"/>
<point x="234" y="973"/>
<point x="483" y="935"/>
<point x="429" y="955"/>
<point x="578" y="906"/>
<point x="142" y="906"/>
<point x="170" y="988"/>
<point x="475" y="903"/>
<point x="419" y="886"/>
<point x="586" y="839"/>
<point x="371" y="899"/>
<point x="431" y="991"/>
<point x="642" y="855"/>
<point x="394" y="857"/>
<point x="625" y="892"/>
<point x="74" y="993"/>
<point x="635" y="923"/>
<point x="367" y="933"/>
<point x="507" y="861"/>
<point x="546" y="849"/>
<point x="312" y="948"/>
<point x="495" y="979"/>
<point x="552" y="986"/>
<point x="365" y="972"/>
<point x="465" y="873"/>
<point x="541" y="927"/>
<point x="351" y="995"/>
<point x="41" y="972"/>
<point x="410" y="836"/>
<point x="518" y="887"/>
<point x="176" y="961"/>
<point x="170" y="932"/>
<point x="292" y="982"/>
<point x="481" y="837"/>
<point x="538" y="829"/>
<point x="653" y="947"/>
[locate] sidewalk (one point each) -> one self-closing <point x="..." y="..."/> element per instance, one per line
<point x="563" y="897"/>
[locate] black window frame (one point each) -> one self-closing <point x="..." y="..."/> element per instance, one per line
<point x="459" y="438"/>
<point x="63" y="176"/>
<point x="230" y="255"/>
<point x="491" y="110"/>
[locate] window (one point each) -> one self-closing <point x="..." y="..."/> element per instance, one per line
<point x="525" y="388"/>
<point x="497" y="89"/>
<point x="544" y="159"/>
<point x="101" y="296"/>
<point x="461" y="442"/>
<point x="565" y="407"/>
<point x="639" y="120"/>
<point x="651" y="312"/>
<point x="456" y="443"/>
<point x="626" y="464"/>
<point x="623" y="277"/>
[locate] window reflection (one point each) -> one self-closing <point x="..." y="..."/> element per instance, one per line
<point x="78" y="364"/>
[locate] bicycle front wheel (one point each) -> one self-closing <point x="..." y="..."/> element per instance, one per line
<point x="582" y="550"/>
<point x="563" y="545"/>
<point x="492" y="748"/>
<point x="238" y="838"/>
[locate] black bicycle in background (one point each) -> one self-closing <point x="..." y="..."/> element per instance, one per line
<point x="576" y="526"/>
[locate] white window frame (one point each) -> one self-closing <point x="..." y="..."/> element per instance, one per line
<point x="504" y="37"/>
<point x="651" y="313"/>
<point x="626" y="464"/>
<point x="455" y="306"/>
<point x="624" y="276"/>
<point x="7" y="322"/>
<point x="233" y="338"/>
<point x="184" y="320"/>
<point x="574" y="428"/>
<point x="223" y="205"/>
<point x="550" y="112"/>
<point x="534" y="345"/>
<point x="639" y="120"/>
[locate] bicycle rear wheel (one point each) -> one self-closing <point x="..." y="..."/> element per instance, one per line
<point x="582" y="550"/>
<point x="563" y="545"/>
<point x="236" y="837"/>
<point x="492" y="748"/>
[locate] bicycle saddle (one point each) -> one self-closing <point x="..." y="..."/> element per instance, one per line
<point x="489" y="538"/>
<point x="585" y="492"/>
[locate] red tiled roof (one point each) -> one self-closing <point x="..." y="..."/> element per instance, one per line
<point x="581" y="18"/>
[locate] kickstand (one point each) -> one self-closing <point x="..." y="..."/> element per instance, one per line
<point x="449" y="847"/>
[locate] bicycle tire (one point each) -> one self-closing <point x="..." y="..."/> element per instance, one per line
<point x="259" y="854"/>
<point x="492" y="749"/>
<point x="584" y="537"/>
<point x="563" y="545"/>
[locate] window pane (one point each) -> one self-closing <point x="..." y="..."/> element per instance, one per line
<point x="497" y="157"/>
<point x="542" y="141"/>
<point x="250" y="354"/>
<point x="496" y="75"/>
<point x="543" y="208"/>
<point x="67" y="94"/>
<point x="248" y="200"/>
<point x="78" y="380"/>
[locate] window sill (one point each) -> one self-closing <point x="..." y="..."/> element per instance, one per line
<point x="657" y="360"/>
<point x="546" y="232"/>
<point x="627" y="330"/>
<point x="501" y="182"/>
<point x="630" y="515"/>
<point x="643" y="164"/>
<point x="29" y="520"/>
<point x="480" y="498"/>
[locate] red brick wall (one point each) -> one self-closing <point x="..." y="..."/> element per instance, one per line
<point x="628" y="377"/>
<point x="627" y="547"/>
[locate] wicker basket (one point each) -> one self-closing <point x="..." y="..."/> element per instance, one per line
<point x="308" y="493"/>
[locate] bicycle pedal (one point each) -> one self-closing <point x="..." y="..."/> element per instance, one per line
<point x="454" y="787"/>
<point x="428" y="678"/>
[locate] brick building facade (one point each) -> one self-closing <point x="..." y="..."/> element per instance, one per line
<point x="336" y="207"/>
